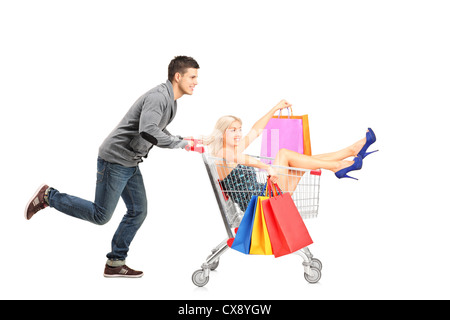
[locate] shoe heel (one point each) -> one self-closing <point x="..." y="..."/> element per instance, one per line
<point x="367" y="153"/>
<point x="357" y="165"/>
<point x="340" y="176"/>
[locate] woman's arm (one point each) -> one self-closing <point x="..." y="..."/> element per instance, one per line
<point x="249" y="161"/>
<point x="259" y="126"/>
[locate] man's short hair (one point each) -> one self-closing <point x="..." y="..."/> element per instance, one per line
<point x="180" y="64"/>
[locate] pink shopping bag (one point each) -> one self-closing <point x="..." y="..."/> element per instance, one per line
<point x="281" y="133"/>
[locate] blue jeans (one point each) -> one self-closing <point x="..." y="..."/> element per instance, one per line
<point x="113" y="181"/>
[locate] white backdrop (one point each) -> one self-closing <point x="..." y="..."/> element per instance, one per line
<point x="70" y="70"/>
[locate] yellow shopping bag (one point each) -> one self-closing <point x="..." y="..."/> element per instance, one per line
<point x="260" y="243"/>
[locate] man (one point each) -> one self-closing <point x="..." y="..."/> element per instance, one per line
<point x="118" y="174"/>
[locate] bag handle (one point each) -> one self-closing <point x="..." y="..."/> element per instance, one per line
<point x="264" y="192"/>
<point x="278" y="188"/>
<point x="290" y="113"/>
<point x="268" y="190"/>
<point x="273" y="187"/>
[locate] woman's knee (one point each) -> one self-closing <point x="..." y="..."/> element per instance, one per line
<point x="282" y="155"/>
<point x="284" y="152"/>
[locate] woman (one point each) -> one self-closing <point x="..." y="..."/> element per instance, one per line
<point x="226" y="142"/>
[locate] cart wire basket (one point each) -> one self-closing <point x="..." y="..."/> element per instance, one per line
<point x="232" y="200"/>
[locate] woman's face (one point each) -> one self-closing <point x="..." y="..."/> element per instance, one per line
<point x="233" y="134"/>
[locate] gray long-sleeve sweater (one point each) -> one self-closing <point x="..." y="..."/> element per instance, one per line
<point x="143" y="126"/>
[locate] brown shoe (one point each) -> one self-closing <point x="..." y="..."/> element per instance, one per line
<point x="36" y="202"/>
<point x="121" y="271"/>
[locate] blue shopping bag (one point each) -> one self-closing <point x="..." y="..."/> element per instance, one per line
<point x="243" y="237"/>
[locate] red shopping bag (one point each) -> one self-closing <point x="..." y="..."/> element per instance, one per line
<point x="286" y="228"/>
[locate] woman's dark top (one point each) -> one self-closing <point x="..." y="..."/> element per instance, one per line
<point x="241" y="184"/>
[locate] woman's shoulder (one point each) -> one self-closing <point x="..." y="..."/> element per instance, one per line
<point x="225" y="165"/>
<point x="225" y="155"/>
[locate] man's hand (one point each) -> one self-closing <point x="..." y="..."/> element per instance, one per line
<point x="193" y="145"/>
<point x="190" y="141"/>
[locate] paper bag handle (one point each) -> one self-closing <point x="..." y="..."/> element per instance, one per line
<point x="272" y="187"/>
<point x="289" y="113"/>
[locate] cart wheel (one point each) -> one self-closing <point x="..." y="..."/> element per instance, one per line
<point x="199" y="279"/>
<point x="316" y="263"/>
<point x="315" y="275"/>
<point x="214" y="265"/>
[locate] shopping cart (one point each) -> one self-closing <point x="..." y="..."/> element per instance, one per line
<point x="303" y="185"/>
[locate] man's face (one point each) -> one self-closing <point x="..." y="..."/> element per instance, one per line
<point x="188" y="81"/>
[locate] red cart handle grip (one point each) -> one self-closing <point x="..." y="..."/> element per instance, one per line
<point x="195" y="147"/>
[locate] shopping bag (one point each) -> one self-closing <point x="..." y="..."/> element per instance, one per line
<point x="286" y="228"/>
<point x="281" y="133"/>
<point x="288" y="132"/>
<point x="306" y="135"/>
<point x="243" y="236"/>
<point x="260" y="242"/>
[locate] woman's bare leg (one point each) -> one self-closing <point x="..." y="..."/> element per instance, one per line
<point x="289" y="158"/>
<point x="288" y="179"/>
<point x="350" y="151"/>
<point x="333" y="161"/>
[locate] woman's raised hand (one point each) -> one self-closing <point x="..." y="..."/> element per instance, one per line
<point x="282" y="104"/>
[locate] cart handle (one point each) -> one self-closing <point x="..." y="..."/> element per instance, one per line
<point x="195" y="147"/>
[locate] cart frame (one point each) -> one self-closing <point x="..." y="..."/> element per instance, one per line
<point x="231" y="216"/>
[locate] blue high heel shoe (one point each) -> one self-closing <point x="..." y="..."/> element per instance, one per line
<point x="370" y="139"/>
<point x="355" y="166"/>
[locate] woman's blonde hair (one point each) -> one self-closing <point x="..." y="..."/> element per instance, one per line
<point x="215" y="140"/>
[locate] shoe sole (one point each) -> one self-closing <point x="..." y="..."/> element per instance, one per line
<point x="31" y="200"/>
<point x="122" y="276"/>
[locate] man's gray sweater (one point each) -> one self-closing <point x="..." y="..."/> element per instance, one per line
<point x="143" y="126"/>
